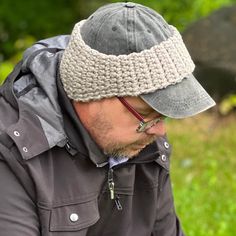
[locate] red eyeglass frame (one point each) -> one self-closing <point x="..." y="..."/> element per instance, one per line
<point x="143" y="125"/>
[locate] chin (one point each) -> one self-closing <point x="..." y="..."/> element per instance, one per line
<point x="129" y="151"/>
<point x="124" y="153"/>
<point x="133" y="153"/>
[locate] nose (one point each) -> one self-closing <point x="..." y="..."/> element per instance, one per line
<point x="157" y="129"/>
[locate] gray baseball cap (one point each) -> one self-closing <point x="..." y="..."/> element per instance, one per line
<point x="180" y="100"/>
<point x="135" y="28"/>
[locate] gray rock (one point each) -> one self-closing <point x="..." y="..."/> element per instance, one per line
<point x="211" y="42"/>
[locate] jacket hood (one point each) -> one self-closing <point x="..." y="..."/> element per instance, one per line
<point x="35" y="92"/>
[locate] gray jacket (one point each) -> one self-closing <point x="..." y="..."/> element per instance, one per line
<point x="54" y="180"/>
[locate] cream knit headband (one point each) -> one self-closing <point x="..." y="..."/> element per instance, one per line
<point x="87" y="74"/>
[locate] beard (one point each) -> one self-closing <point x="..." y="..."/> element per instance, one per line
<point x="100" y="129"/>
<point x="100" y="133"/>
<point x="131" y="150"/>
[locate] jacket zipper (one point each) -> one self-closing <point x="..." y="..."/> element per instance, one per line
<point x="69" y="148"/>
<point x="111" y="183"/>
<point x="111" y="186"/>
<point x="118" y="204"/>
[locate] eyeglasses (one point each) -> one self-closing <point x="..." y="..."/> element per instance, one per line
<point x="143" y="125"/>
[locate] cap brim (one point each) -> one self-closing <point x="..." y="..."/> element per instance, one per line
<point x="181" y="100"/>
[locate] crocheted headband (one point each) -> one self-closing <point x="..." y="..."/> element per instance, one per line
<point x="88" y="74"/>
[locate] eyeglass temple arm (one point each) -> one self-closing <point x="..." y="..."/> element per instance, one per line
<point x="131" y="109"/>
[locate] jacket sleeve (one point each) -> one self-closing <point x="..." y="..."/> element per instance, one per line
<point x="18" y="214"/>
<point x="167" y="223"/>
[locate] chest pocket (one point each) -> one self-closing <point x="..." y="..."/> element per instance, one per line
<point x="66" y="219"/>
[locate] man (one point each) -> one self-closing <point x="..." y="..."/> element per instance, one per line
<point x="83" y="146"/>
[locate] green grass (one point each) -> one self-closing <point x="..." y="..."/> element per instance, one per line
<point x="203" y="172"/>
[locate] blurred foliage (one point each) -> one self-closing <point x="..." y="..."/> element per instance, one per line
<point x="19" y="46"/>
<point x="203" y="173"/>
<point x="228" y="104"/>
<point x="5" y="68"/>
<point x="47" y="18"/>
<point x="182" y="13"/>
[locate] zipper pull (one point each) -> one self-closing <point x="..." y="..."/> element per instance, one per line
<point x="118" y="204"/>
<point x="111" y="183"/>
<point x="70" y="148"/>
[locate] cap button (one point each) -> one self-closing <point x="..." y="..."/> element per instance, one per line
<point x="130" y="5"/>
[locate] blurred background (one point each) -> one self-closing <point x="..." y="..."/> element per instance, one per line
<point x="203" y="167"/>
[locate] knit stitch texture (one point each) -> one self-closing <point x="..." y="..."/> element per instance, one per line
<point x="88" y="75"/>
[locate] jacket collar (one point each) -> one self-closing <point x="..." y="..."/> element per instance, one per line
<point x="77" y="134"/>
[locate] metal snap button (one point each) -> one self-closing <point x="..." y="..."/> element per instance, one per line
<point x="74" y="217"/>
<point x="16" y="133"/>
<point x="25" y="149"/>
<point x="163" y="157"/>
<point x="167" y="145"/>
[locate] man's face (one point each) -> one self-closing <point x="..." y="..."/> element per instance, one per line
<point x="113" y="126"/>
